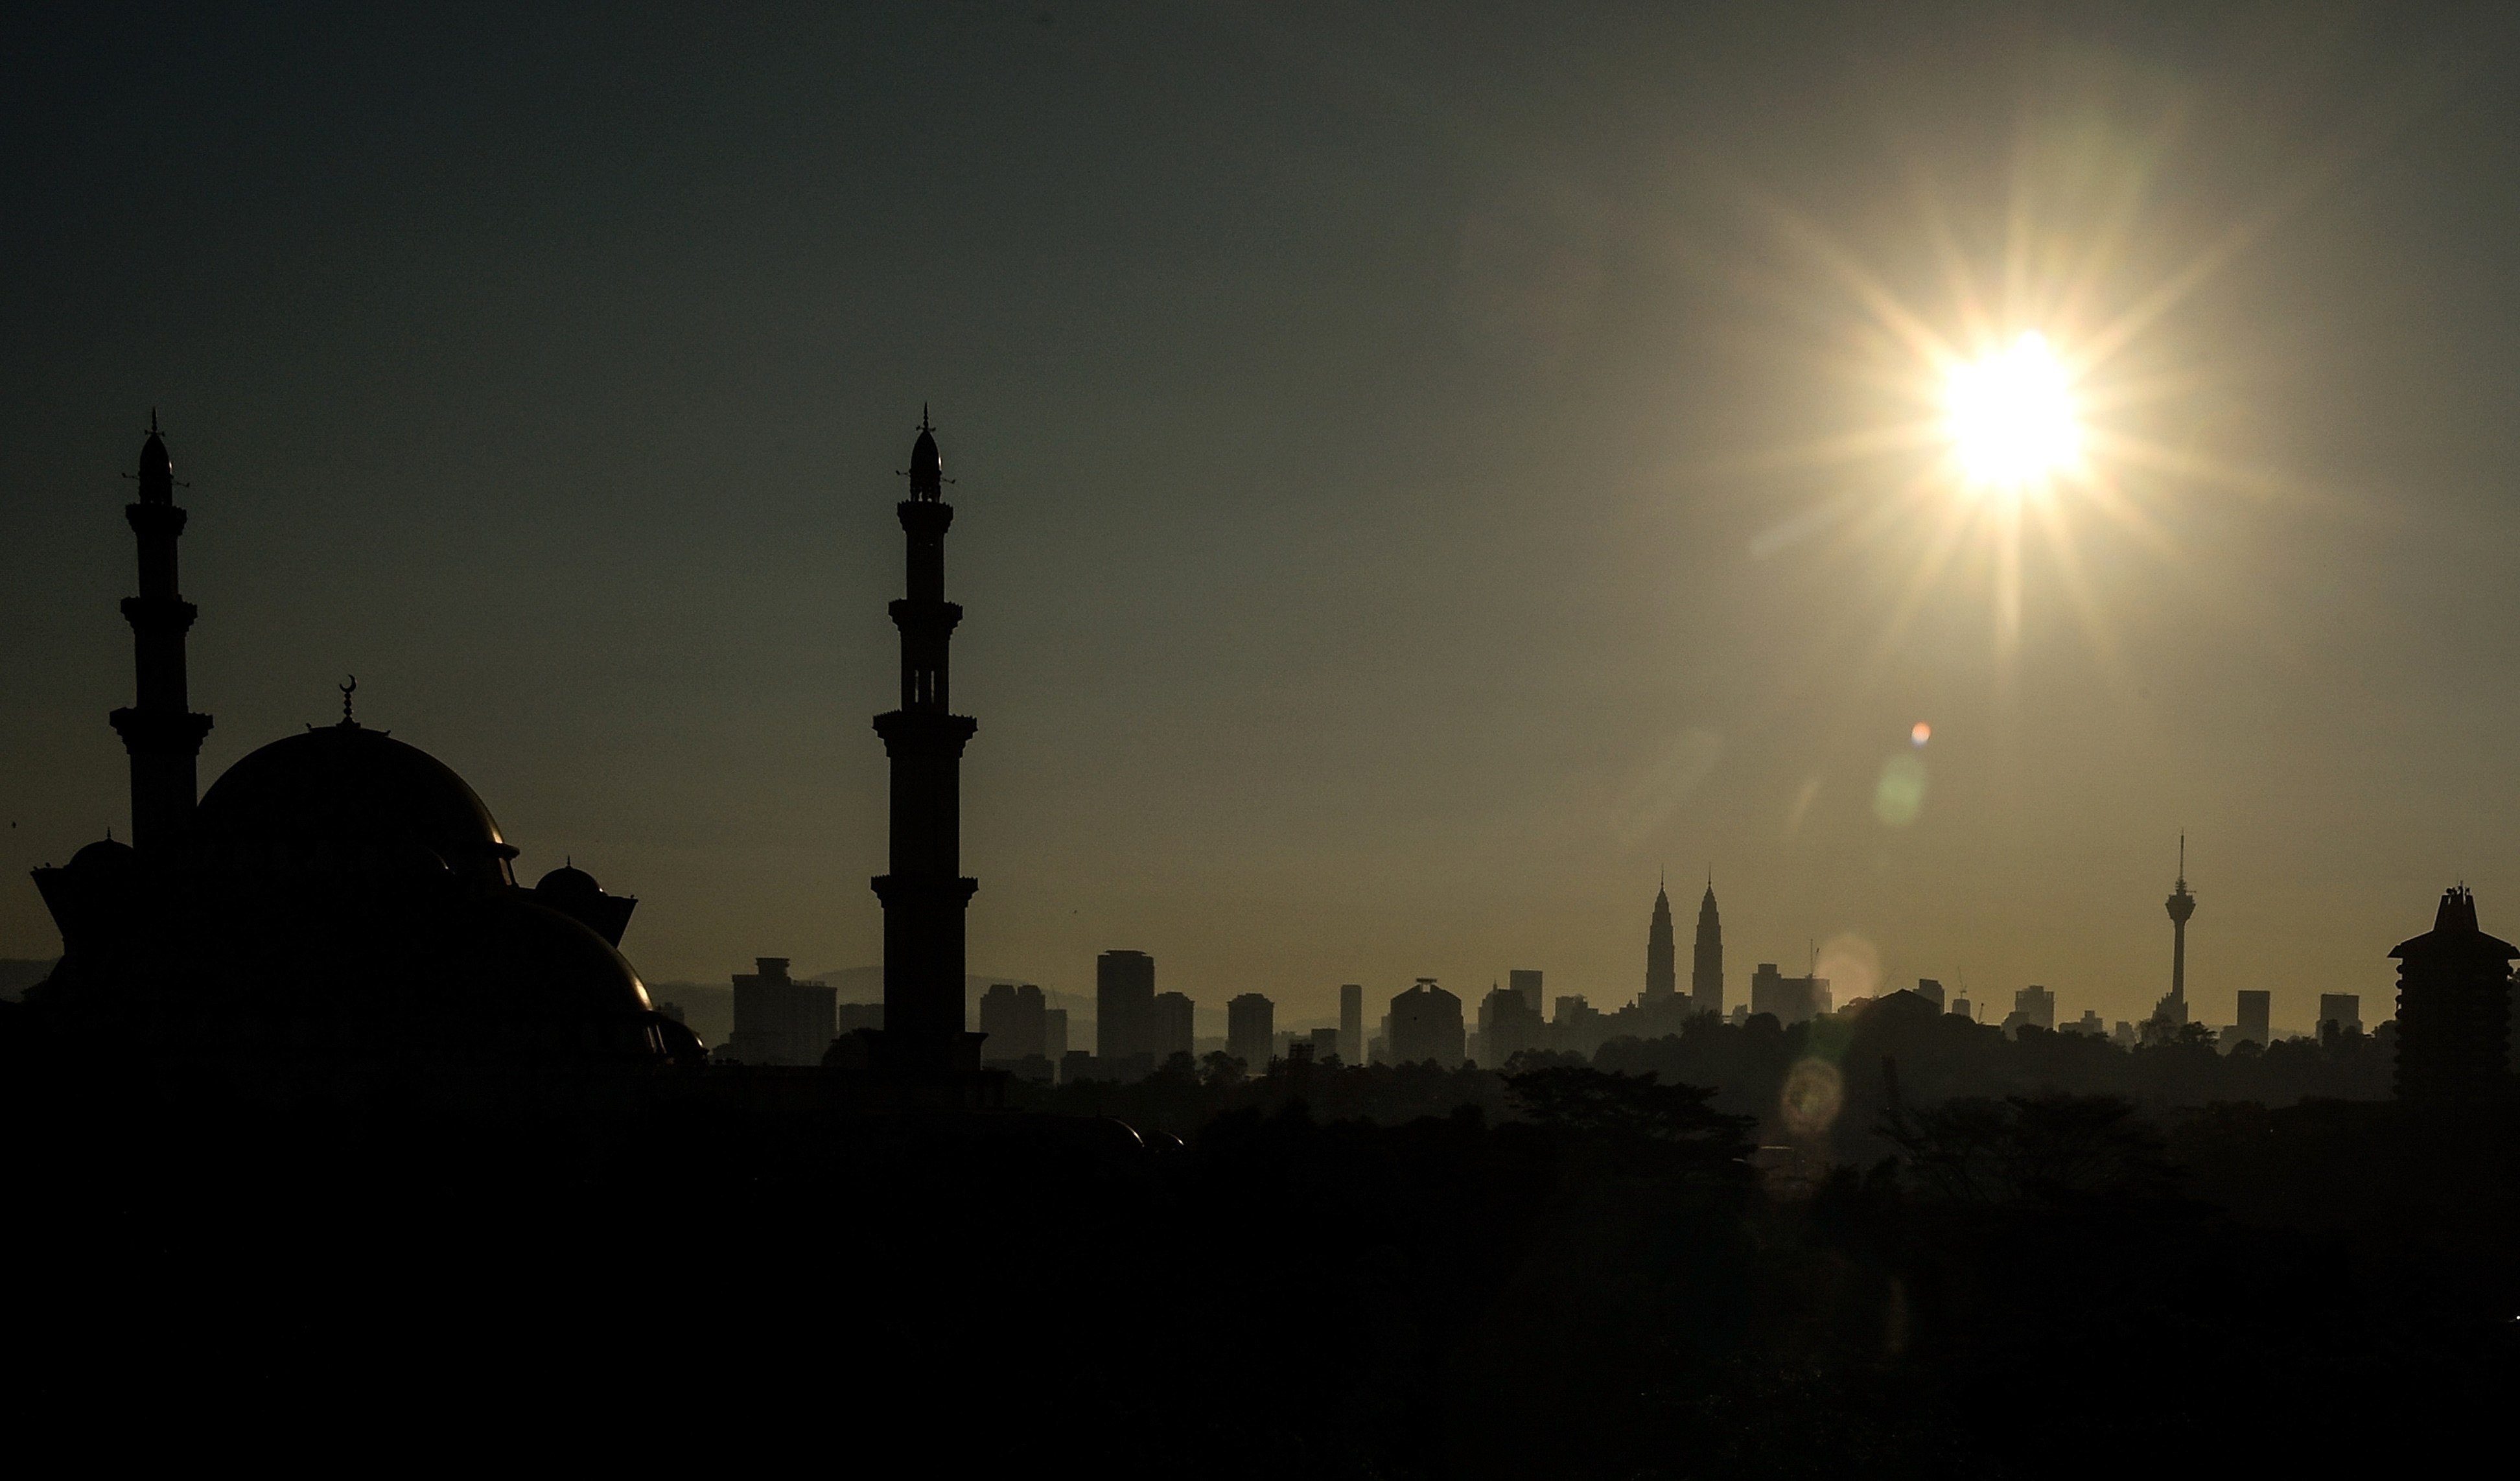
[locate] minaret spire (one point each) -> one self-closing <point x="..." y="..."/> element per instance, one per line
<point x="159" y="729"/>
<point x="926" y="892"/>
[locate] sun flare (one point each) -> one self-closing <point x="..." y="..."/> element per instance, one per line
<point x="2011" y="415"/>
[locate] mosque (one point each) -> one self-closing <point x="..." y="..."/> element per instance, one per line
<point x="338" y="912"/>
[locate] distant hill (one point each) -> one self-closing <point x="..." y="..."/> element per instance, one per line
<point x="18" y="973"/>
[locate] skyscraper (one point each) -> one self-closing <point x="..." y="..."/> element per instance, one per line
<point x="158" y="730"/>
<point x="1507" y="1028"/>
<point x="1124" y="1005"/>
<point x="1171" y="1027"/>
<point x="2454" y="1008"/>
<point x="778" y="1020"/>
<point x="2255" y="1016"/>
<point x="1528" y="983"/>
<point x="1706" y="971"/>
<point x="1662" y="978"/>
<point x="2032" y="1006"/>
<point x="1427" y="1024"/>
<point x="926" y="892"/>
<point x="2343" y="1011"/>
<point x="1013" y="1017"/>
<point x="1250" y="1030"/>
<point x="1352" y="1022"/>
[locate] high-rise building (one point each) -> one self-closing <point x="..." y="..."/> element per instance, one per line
<point x="1931" y="991"/>
<point x="1250" y="1021"/>
<point x="1577" y="1027"/>
<point x="2339" y="1014"/>
<point x="2032" y="1006"/>
<point x="1791" y="1000"/>
<point x="1707" y="968"/>
<point x="2454" y="1008"/>
<point x="1506" y="1026"/>
<point x="1169" y="1030"/>
<point x="1528" y="983"/>
<point x="926" y="892"/>
<point x="2255" y="1015"/>
<point x="1324" y="1043"/>
<point x="1054" y="1034"/>
<point x="1427" y="1024"/>
<point x="1352" y="1022"/>
<point x="1662" y="977"/>
<point x="1124" y="1004"/>
<point x="1013" y="1017"/>
<point x="778" y="1020"/>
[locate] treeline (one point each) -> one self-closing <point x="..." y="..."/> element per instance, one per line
<point x="1843" y="1072"/>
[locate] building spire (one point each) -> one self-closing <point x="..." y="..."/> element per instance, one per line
<point x="347" y="690"/>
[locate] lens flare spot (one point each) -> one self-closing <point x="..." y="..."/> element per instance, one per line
<point x="2011" y="417"/>
<point x="1919" y="733"/>
<point x="1813" y="1094"/>
<point x="1900" y="796"/>
<point x="1853" y="967"/>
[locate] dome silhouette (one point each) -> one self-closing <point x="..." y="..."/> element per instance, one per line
<point x="348" y="800"/>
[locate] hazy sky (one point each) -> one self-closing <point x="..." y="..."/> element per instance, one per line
<point x="1423" y="469"/>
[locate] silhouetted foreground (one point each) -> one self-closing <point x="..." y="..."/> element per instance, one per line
<point x="1603" y="1287"/>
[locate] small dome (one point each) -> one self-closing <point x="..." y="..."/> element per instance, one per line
<point x="567" y="880"/>
<point x="346" y="800"/>
<point x="105" y="856"/>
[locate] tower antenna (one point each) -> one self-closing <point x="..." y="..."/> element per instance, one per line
<point x="347" y="690"/>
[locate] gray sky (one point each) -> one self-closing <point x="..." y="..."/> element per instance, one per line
<point x="1423" y="469"/>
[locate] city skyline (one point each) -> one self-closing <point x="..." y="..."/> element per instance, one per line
<point x="1398" y="620"/>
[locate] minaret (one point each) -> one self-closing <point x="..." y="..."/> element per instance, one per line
<point x="159" y="730"/>
<point x="2180" y="906"/>
<point x="1662" y="980"/>
<point x="1706" y="973"/>
<point x="924" y="893"/>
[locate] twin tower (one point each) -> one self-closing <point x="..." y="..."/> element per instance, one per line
<point x="1706" y="973"/>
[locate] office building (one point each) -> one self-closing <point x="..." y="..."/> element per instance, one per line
<point x="778" y="1020"/>
<point x="2454" y="1008"/>
<point x="1790" y="1000"/>
<point x="2032" y="1008"/>
<point x="1527" y="982"/>
<point x="1124" y="1004"/>
<point x="1249" y="1023"/>
<point x="2340" y="1016"/>
<point x="1352" y="1022"/>
<point x="2254" y="1018"/>
<point x="1507" y="1026"/>
<point x="1169" y="1027"/>
<point x="1011" y="1016"/>
<point x="1427" y="1024"/>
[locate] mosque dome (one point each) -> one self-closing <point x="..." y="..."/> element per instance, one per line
<point x="568" y="880"/>
<point x="346" y="800"/>
<point x="106" y="858"/>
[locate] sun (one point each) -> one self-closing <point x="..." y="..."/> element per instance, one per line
<point x="2010" y="416"/>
